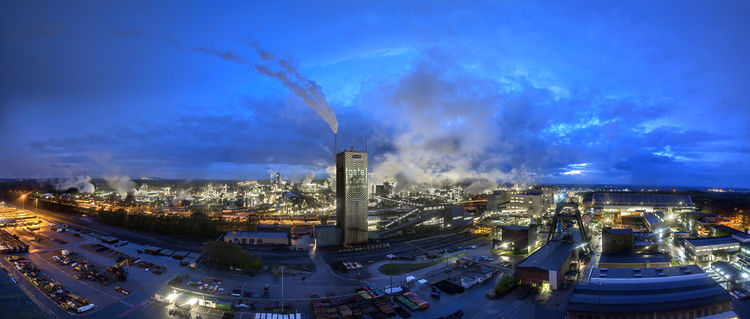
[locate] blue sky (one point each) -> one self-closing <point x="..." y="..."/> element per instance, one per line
<point x="495" y="91"/>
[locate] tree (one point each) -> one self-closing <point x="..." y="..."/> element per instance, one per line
<point x="505" y="284"/>
<point x="225" y="254"/>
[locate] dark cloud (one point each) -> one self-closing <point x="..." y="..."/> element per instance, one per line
<point x="576" y="91"/>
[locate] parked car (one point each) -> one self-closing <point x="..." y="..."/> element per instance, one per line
<point x="122" y="290"/>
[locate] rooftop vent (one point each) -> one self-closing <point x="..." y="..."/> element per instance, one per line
<point x="637" y="275"/>
<point x="636" y="269"/>
<point x="602" y="275"/>
<point x="602" y="269"/>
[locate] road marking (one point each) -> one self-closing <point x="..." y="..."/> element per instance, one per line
<point x="126" y="303"/>
<point x="80" y="281"/>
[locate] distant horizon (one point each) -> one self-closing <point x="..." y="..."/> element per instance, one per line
<point x="576" y="92"/>
<point x="632" y="186"/>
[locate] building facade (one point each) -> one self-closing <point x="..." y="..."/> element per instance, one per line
<point x="705" y="249"/>
<point x="668" y="292"/>
<point x="352" y="197"/>
<point x="257" y="238"/>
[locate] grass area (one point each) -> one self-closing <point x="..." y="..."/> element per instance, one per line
<point x="402" y="268"/>
<point x="675" y="262"/>
<point x="501" y="252"/>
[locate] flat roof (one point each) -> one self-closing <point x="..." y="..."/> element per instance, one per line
<point x="515" y="227"/>
<point x="267" y="234"/>
<point x="650" y="272"/>
<point x="711" y="241"/>
<point x="646" y="297"/>
<point x="625" y="258"/>
<point x="652" y="218"/>
<point x="552" y="255"/>
<point x="619" y="231"/>
<point x="727" y="270"/>
<point x="638" y="199"/>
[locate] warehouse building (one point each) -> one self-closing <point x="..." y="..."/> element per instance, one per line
<point x="549" y="264"/>
<point x="616" y="202"/>
<point x="705" y="249"/>
<point x="670" y="292"/>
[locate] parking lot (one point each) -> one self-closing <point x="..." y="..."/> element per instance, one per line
<point x="79" y="262"/>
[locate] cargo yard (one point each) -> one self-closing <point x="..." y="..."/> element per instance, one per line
<point x="75" y="271"/>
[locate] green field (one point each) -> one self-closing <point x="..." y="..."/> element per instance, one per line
<point x="402" y="268"/>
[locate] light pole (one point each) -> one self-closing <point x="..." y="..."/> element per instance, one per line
<point x="23" y="202"/>
<point x="282" y="289"/>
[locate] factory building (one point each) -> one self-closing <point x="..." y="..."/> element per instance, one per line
<point x="617" y="202"/>
<point x="705" y="249"/>
<point x="498" y="200"/>
<point x="634" y="261"/>
<point x="352" y="197"/>
<point x="549" y="264"/>
<point x="733" y="276"/>
<point x="257" y="238"/>
<point x="617" y="240"/>
<point x="533" y="202"/>
<point x="669" y="292"/>
<point x="327" y="236"/>
<point x="519" y="239"/>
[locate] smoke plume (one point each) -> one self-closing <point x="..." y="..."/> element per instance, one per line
<point x="331" y="171"/>
<point x="308" y="179"/>
<point x="183" y="194"/>
<point x="121" y="184"/>
<point x="309" y="91"/>
<point x="447" y="130"/>
<point x="81" y="183"/>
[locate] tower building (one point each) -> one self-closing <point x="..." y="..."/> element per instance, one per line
<point x="352" y="196"/>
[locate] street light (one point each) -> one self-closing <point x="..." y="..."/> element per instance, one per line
<point x="282" y="289"/>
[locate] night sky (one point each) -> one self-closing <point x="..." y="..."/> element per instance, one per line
<point x="652" y="92"/>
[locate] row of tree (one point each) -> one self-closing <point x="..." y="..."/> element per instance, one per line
<point x="195" y="225"/>
<point x="225" y="254"/>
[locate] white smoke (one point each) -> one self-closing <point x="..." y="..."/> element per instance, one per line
<point x="445" y="129"/>
<point x="304" y="88"/>
<point x="121" y="184"/>
<point x="309" y="91"/>
<point x="183" y="194"/>
<point x="331" y="171"/>
<point x="81" y="183"/>
<point x="308" y="179"/>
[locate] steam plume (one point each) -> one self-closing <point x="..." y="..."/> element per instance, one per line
<point x="308" y="179"/>
<point x="309" y="91"/>
<point x="183" y="194"/>
<point x="444" y="129"/>
<point x="81" y="183"/>
<point x="121" y="184"/>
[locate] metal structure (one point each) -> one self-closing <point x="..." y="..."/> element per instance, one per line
<point x="567" y="215"/>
